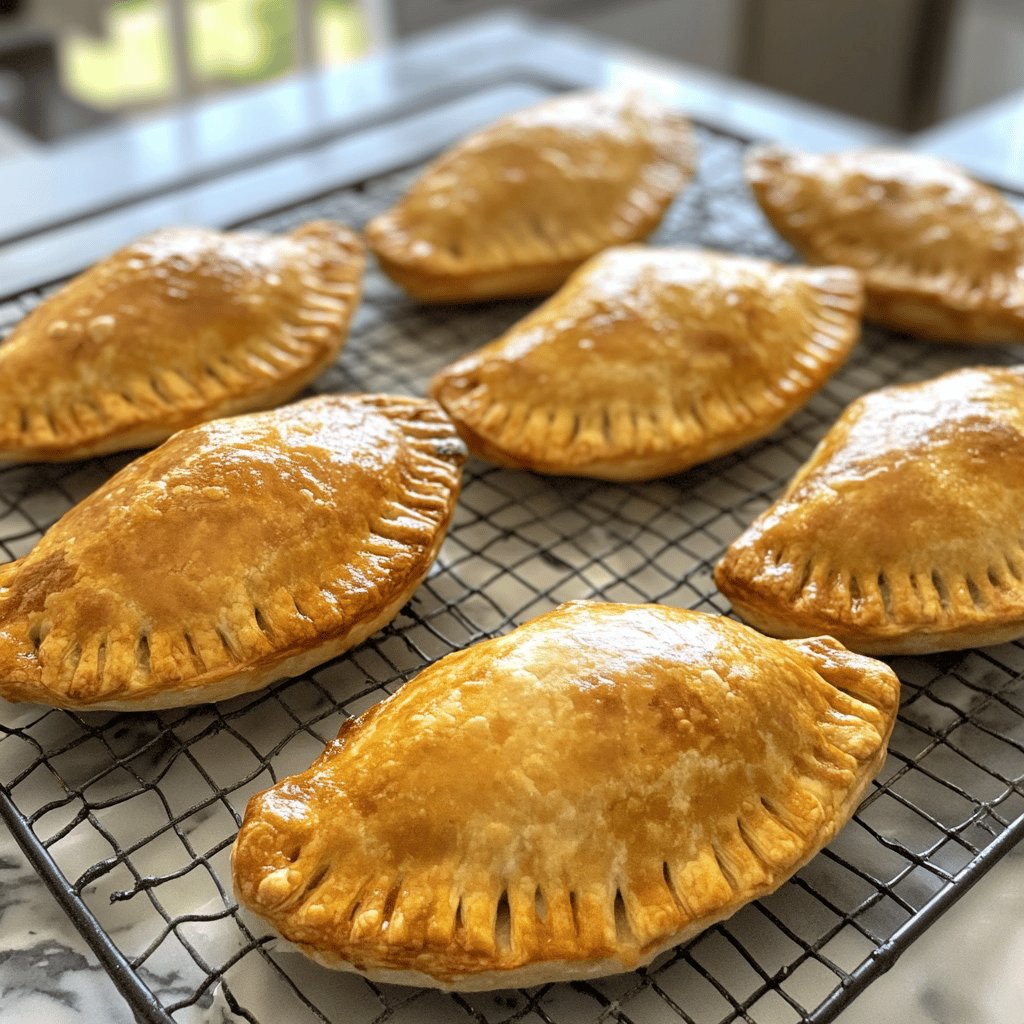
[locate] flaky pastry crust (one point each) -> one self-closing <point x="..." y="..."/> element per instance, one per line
<point x="237" y="553"/>
<point x="185" y="325"/>
<point x="567" y="800"/>
<point x="650" y="360"/>
<point x="942" y="254"/>
<point x="516" y="207"/>
<point x="902" y="532"/>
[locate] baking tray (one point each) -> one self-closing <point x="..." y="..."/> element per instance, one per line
<point x="130" y="818"/>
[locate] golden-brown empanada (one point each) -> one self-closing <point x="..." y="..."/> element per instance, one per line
<point x="516" y="207"/>
<point x="902" y="533"/>
<point x="942" y="254"/>
<point x="649" y="361"/>
<point x="568" y="800"/>
<point x="237" y="553"/>
<point x="185" y="325"/>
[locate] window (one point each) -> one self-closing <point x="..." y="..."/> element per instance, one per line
<point x="155" y="51"/>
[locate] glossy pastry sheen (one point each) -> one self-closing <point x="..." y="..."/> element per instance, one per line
<point x="942" y="254"/>
<point x="649" y="361"/>
<point x="185" y="325"/>
<point x="516" y="207"/>
<point x="237" y="553"/>
<point x="902" y="533"/>
<point x="568" y="800"/>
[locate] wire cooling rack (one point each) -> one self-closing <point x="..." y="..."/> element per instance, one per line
<point x="130" y="817"/>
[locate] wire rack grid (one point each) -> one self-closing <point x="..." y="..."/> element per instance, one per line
<point x="130" y="818"/>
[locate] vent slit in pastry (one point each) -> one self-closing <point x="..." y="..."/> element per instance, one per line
<point x="622" y="798"/>
<point x="316" y="881"/>
<point x="1014" y="568"/>
<point x="941" y="589"/>
<point x="71" y="660"/>
<point x="748" y="832"/>
<point x="666" y="874"/>
<point x="101" y="659"/>
<point x="623" y="929"/>
<point x="357" y="904"/>
<point x="914" y="564"/>
<point x="503" y="925"/>
<point x="540" y="904"/>
<point x="660" y="359"/>
<point x="302" y="612"/>
<point x="142" y="654"/>
<point x="226" y="642"/>
<point x="261" y="623"/>
<point x="192" y="650"/>
<point x="885" y="591"/>
<point x="212" y="373"/>
<point x="36" y="634"/>
<point x="575" y="911"/>
<point x="722" y="863"/>
<point x="157" y="387"/>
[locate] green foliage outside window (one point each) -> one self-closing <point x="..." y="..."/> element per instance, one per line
<point x="230" y="42"/>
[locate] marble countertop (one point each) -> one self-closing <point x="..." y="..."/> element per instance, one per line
<point x="966" y="969"/>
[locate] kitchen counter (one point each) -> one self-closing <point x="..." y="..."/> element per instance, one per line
<point x="216" y="164"/>
<point x="965" y="970"/>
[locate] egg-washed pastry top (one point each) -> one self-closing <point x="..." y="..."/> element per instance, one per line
<point x="942" y="254"/>
<point x="903" y="531"/>
<point x="516" y="207"/>
<point x="237" y="553"/>
<point x="184" y="325"/>
<point x="651" y="360"/>
<point x="568" y="800"/>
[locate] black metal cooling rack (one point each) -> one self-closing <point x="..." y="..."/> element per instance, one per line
<point x="129" y="818"/>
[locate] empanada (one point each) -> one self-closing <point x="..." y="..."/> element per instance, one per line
<point x="568" y="800"/>
<point x="649" y="361"/>
<point x="237" y="553"/>
<point x="516" y="207"/>
<point x="185" y="325"/>
<point x="942" y="254"/>
<point x="902" y="533"/>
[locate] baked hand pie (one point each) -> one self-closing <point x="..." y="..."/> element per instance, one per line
<point x="184" y="325"/>
<point x="568" y="800"/>
<point x="902" y="532"/>
<point x="649" y="361"/>
<point x="516" y="207"/>
<point x="941" y="253"/>
<point x="237" y="553"/>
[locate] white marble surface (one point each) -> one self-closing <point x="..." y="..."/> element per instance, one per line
<point x="47" y="971"/>
<point x="965" y="970"/>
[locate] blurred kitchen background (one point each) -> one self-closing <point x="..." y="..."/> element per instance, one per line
<point x="68" y="65"/>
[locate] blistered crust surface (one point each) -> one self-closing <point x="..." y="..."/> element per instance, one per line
<point x="942" y="254"/>
<point x="651" y="360"/>
<point x="567" y="799"/>
<point x="182" y="326"/>
<point x="235" y="546"/>
<point x="903" y="530"/>
<point x="514" y="208"/>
